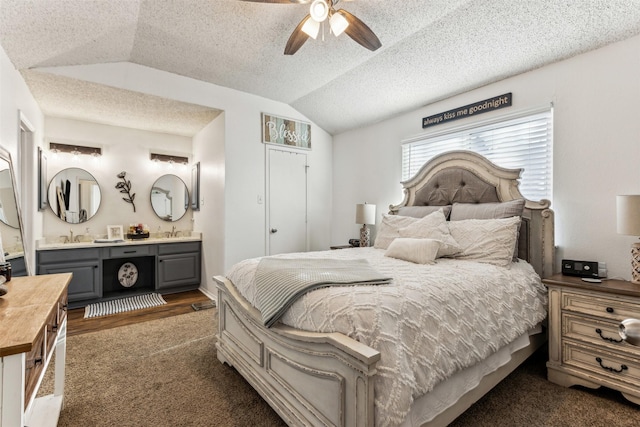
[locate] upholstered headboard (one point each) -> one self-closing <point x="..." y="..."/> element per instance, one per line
<point x="467" y="177"/>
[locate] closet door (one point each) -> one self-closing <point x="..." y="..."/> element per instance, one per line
<point x="287" y="202"/>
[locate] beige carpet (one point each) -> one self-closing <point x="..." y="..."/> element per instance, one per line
<point x="165" y="373"/>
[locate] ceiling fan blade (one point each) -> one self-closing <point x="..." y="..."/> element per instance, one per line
<point x="360" y="32"/>
<point x="297" y="38"/>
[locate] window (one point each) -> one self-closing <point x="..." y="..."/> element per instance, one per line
<point x="517" y="141"/>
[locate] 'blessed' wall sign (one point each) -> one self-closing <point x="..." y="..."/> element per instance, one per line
<point x="479" y="107"/>
<point x="283" y="131"/>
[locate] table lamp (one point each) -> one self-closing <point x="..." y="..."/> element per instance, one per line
<point x="628" y="213"/>
<point x="365" y="214"/>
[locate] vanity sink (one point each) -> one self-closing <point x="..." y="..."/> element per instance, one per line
<point x="44" y="244"/>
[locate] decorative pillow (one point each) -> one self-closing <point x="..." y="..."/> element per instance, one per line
<point x="486" y="240"/>
<point x="460" y="211"/>
<point x="433" y="226"/>
<point x="419" y="251"/>
<point x="388" y="229"/>
<point x="422" y="211"/>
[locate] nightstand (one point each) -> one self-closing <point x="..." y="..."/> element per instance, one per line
<point x="584" y="345"/>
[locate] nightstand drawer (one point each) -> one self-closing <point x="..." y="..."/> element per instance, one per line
<point x="615" y="367"/>
<point x="597" y="332"/>
<point x="606" y="308"/>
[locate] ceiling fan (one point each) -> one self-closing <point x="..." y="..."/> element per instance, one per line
<point x="339" y="21"/>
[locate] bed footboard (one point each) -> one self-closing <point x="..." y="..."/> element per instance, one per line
<point x="308" y="378"/>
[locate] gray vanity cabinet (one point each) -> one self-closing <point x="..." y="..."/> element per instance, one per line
<point x="83" y="263"/>
<point x="163" y="267"/>
<point x="178" y="266"/>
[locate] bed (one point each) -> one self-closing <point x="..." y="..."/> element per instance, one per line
<point x="329" y="378"/>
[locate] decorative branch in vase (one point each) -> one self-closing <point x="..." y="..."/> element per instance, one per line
<point x="125" y="187"/>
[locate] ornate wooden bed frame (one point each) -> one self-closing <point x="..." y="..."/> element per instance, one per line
<point x="327" y="379"/>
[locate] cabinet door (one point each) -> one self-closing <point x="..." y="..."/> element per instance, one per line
<point x="85" y="283"/>
<point x="178" y="270"/>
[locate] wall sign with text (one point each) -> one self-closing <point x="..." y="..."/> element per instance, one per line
<point x="479" y="107"/>
<point x="283" y="131"/>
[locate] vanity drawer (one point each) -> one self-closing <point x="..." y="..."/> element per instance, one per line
<point x="606" y="308"/>
<point x="178" y="248"/>
<point x="65" y="255"/>
<point x="597" y="332"/>
<point x="129" y="251"/>
<point x="621" y="369"/>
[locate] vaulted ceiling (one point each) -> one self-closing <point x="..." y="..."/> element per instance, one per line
<point x="431" y="50"/>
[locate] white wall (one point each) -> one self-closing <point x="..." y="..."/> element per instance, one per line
<point x="15" y="99"/>
<point x="244" y="154"/>
<point x="208" y="149"/>
<point x="596" y="150"/>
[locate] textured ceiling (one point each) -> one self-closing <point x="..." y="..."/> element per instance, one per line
<point x="431" y="49"/>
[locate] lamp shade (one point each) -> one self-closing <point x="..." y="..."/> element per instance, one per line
<point x="628" y="214"/>
<point x="365" y="214"/>
<point x="338" y="23"/>
<point x="319" y="10"/>
<point x="311" y="28"/>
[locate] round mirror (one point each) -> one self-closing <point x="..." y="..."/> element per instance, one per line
<point x="169" y="197"/>
<point x="8" y="209"/>
<point x="74" y="195"/>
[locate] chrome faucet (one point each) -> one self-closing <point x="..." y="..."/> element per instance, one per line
<point x="70" y="235"/>
<point x="173" y="232"/>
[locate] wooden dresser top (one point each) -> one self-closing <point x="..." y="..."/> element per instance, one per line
<point x="610" y="286"/>
<point x="25" y="309"/>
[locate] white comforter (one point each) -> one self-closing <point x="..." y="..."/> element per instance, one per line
<point x="432" y="321"/>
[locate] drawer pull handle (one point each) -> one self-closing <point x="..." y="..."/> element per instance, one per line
<point x="129" y="252"/>
<point x="609" y="310"/>
<point x="609" y="368"/>
<point x="599" y="332"/>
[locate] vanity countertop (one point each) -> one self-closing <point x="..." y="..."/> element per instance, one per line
<point x="42" y="245"/>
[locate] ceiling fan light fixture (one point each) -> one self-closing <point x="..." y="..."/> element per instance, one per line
<point x="338" y="23"/>
<point x="311" y="28"/>
<point x="319" y="10"/>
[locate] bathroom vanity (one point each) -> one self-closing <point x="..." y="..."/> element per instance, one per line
<point x="103" y="271"/>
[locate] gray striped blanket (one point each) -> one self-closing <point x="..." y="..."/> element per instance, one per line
<point x="279" y="281"/>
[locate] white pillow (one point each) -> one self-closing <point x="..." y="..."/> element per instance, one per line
<point x="433" y="226"/>
<point x="419" y="251"/>
<point x="388" y="229"/>
<point x="486" y="240"/>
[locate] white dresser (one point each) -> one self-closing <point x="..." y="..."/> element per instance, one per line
<point x="33" y="322"/>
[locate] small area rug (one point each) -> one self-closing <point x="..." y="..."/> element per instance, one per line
<point x="136" y="302"/>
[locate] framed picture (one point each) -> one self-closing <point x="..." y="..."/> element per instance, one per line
<point x="195" y="187"/>
<point x="114" y="232"/>
<point x="42" y="180"/>
<point x="283" y="131"/>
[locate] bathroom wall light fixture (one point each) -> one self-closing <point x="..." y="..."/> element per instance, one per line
<point x="178" y="160"/>
<point x="76" y="150"/>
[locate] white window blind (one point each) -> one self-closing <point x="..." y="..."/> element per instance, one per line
<point x="523" y="141"/>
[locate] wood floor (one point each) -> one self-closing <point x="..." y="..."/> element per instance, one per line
<point x="179" y="303"/>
